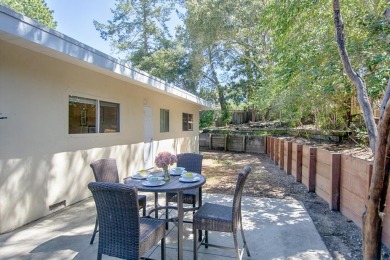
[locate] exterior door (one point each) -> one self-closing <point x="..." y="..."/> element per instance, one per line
<point x="148" y="138"/>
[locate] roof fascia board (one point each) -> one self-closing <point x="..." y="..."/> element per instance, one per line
<point x="23" y="31"/>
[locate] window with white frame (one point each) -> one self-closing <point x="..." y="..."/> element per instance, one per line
<point x="187" y="122"/>
<point x="164" y="120"/>
<point x="92" y="116"/>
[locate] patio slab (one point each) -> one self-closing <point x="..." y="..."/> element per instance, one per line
<point x="274" y="228"/>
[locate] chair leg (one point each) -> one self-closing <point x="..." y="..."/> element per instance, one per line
<point x="236" y="246"/>
<point x="144" y="210"/>
<point x="206" y="240"/>
<point x="94" y="231"/>
<point x="243" y="239"/>
<point x="166" y="211"/>
<point x="193" y="212"/>
<point x="163" y="252"/>
<point x="195" y="243"/>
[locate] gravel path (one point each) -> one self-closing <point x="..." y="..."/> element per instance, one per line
<point x="341" y="236"/>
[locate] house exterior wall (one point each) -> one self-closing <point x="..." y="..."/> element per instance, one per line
<point x="40" y="163"/>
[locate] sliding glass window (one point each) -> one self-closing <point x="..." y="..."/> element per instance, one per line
<point x="83" y="116"/>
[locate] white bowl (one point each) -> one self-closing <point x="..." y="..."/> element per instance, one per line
<point x="178" y="170"/>
<point x="143" y="173"/>
<point x="188" y="176"/>
<point x="154" y="179"/>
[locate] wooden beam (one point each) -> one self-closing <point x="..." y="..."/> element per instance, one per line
<point x="299" y="163"/>
<point x="289" y="158"/>
<point x="312" y="168"/>
<point x="276" y="153"/>
<point x="335" y="181"/>
<point x="281" y="154"/>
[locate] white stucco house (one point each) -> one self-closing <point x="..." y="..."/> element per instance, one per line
<point x="64" y="105"/>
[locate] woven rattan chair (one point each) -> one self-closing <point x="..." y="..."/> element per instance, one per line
<point x="105" y="170"/>
<point x="192" y="162"/>
<point x="123" y="233"/>
<point x="215" y="217"/>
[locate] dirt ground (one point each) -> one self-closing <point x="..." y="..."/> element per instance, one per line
<point x="341" y="236"/>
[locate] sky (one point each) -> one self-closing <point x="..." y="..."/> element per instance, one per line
<point x="75" y="19"/>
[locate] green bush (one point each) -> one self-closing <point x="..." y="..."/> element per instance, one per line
<point x="206" y="118"/>
<point x="226" y="115"/>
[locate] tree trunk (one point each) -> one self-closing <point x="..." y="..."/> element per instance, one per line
<point x="379" y="143"/>
<point x="359" y="83"/>
<point x="372" y="218"/>
<point x="220" y="89"/>
<point x="386" y="97"/>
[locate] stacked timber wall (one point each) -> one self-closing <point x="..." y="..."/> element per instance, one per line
<point x="341" y="180"/>
<point x="234" y="143"/>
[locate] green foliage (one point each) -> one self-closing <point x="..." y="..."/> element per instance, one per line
<point x="359" y="136"/>
<point x="137" y="28"/>
<point x="279" y="55"/>
<point x="207" y="118"/>
<point x="35" y="9"/>
<point x="226" y="115"/>
<point x="306" y="77"/>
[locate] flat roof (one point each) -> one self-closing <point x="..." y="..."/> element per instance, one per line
<point x="28" y="33"/>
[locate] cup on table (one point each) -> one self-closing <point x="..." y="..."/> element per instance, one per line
<point x="154" y="179"/>
<point x="178" y="170"/>
<point x="143" y="173"/>
<point x="188" y="176"/>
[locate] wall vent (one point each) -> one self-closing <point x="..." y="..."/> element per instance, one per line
<point x="57" y="205"/>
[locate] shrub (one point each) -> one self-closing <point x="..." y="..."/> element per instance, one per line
<point x="206" y="118"/>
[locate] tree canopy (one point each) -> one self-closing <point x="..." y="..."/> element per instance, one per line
<point x="280" y="56"/>
<point x="36" y="9"/>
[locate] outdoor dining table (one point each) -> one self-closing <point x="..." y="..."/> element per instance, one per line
<point x="171" y="186"/>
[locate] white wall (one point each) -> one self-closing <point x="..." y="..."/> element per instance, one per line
<point x="40" y="163"/>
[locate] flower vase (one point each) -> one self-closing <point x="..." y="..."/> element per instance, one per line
<point x="167" y="176"/>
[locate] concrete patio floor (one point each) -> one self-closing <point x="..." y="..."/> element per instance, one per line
<point x="275" y="229"/>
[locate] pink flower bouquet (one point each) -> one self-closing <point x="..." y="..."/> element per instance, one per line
<point x="164" y="159"/>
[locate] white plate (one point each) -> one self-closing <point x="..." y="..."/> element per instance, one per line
<point x="139" y="176"/>
<point x="173" y="173"/>
<point x="153" y="184"/>
<point x="193" y="180"/>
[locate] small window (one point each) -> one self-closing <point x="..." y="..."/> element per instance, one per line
<point x="83" y="116"/>
<point x="164" y="120"/>
<point x="109" y="117"/>
<point x="187" y="122"/>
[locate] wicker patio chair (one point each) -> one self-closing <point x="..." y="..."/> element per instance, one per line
<point x="123" y="233"/>
<point x="215" y="217"/>
<point x="105" y="170"/>
<point x="192" y="162"/>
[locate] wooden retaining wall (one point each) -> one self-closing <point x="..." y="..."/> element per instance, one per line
<point x="287" y="155"/>
<point x="354" y="184"/>
<point x="296" y="160"/>
<point x="341" y="180"/>
<point x="234" y="143"/>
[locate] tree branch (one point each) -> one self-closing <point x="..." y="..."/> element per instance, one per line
<point x="359" y="83"/>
